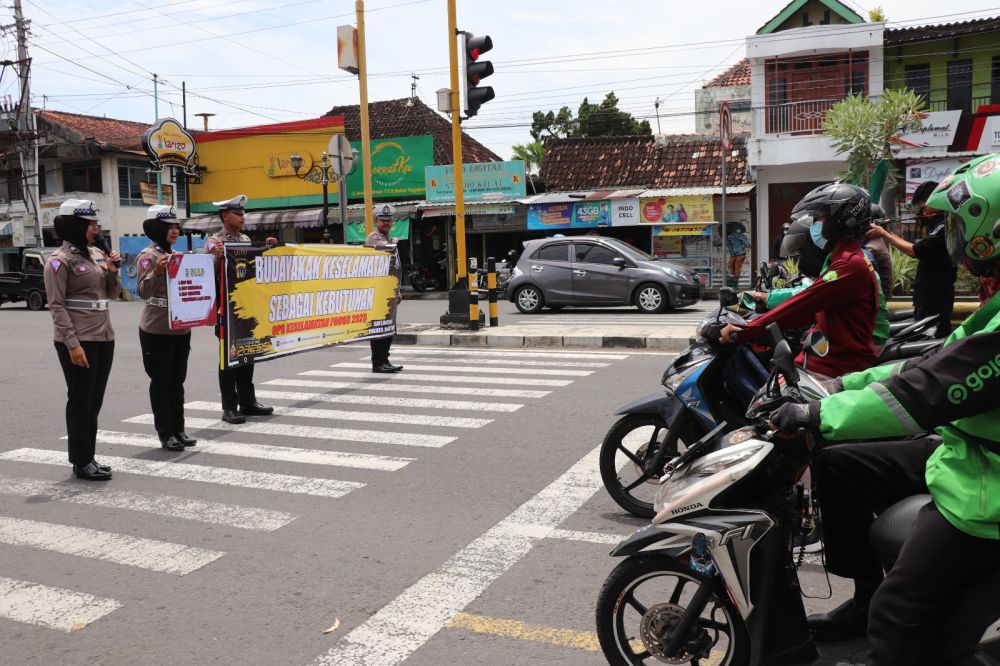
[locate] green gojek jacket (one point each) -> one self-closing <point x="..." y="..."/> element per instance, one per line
<point x="954" y="391"/>
<point x="880" y="335"/>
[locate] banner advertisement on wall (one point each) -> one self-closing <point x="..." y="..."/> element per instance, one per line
<point x="481" y="181"/>
<point x="921" y="171"/>
<point x="576" y="215"/>
<point x="397" y="167"/>
<point x="295" y="298"/>
<point x="191" y="291"/>
<point x="625" y="212"/>
<point x="677" y="209"/>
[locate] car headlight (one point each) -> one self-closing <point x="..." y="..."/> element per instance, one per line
<point x="674" y="379"/>
<point x="711" y="471"/>
<point x="674" y="273"/>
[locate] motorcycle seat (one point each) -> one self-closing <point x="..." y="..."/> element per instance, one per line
<point x="892" y="526"/>
<point x="896" y="315"/>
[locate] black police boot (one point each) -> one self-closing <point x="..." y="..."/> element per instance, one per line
<point x="103" y="468"/>
<point x="233" y="416"/>
<point x="386" y="368"/>
<point x="91" y="472"/>
<point x="848" y="620"/>
<point x="171" y="443"/>
<point x="183" y="438"/>
<point x="256" y="409"/>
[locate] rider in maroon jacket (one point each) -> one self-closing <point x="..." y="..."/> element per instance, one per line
<point x="843" y="302"/>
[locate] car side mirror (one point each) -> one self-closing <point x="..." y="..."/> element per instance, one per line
<point x="728" y="297"/>
<point x="619" y="262"/>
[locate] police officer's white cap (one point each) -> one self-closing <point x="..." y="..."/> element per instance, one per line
<point x="159" y="212"/>
<point x="84" y="208"/>
<point x="385" y="212"/>
<point x="238" y="202"/>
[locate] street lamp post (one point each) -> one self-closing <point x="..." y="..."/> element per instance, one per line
<point x="324" y="169"/>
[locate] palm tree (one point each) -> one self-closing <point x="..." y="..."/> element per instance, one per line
<point x="532" y="153"/>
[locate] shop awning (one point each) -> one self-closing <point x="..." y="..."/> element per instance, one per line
<point x="697" y="191"/>
<point x="299" y="217"/>
<point x="497" y="207"/>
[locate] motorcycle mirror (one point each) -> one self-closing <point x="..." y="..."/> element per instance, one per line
<point x="785" y="364"/>
<point x="817" y="343"/>
<point x="727" y="297"/>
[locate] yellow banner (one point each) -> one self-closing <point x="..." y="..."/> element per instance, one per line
<point x="291" y="299"/>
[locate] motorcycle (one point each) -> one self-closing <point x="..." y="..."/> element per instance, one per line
<point x="422" y="278"/>
<point x="713" y="575"/>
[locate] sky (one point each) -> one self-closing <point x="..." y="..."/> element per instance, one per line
<point x="256" y="62"/>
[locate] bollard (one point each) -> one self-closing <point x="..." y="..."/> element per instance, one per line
<point x="473" y="295"/>
<point x="491" y="290"/>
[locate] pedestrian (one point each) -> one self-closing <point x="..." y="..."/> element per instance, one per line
<point x="737" y="243"/>
<point x="934" y="283"/>
<point x="165" y="351"/>
<point x="776" y="245"/>
<point x="235" y="384"/>
<point x="384" y="215"/>
<point x="79" y="282"/>
<point x="878" y="253"/>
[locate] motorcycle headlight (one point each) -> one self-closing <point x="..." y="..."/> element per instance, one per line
<point x="674" y="378"/>
<point x="714" y="470"/>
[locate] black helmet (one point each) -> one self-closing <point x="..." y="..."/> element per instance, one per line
<point x="845" y="208"/>
<point x="877" y="212"/>
<point x="798" y="243"/>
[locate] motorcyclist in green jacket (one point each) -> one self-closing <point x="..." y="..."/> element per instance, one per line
<point x="954" y="393"/>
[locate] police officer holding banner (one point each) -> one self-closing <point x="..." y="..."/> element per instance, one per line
<point x="384" y="215"/>
<point x="165" y="351"/>
<point x="235" y="384"/>
<point x="79" y="282"/>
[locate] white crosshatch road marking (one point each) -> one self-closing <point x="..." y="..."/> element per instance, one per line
<point x="244" y="517"/>
<point x="496" y="371"/>
<point x="151" y="554"/>
<point x="466" y="379"/>
<point x="266" y="452"/>
<point x="388" y="387"/>
<point x="286" y="483"/>
<point x="368" y="417"/>
<point x="51" y="607"/>
<point x="508" y="353"/>
<point x="472" y="358"/>
<point x="388" y="401"/>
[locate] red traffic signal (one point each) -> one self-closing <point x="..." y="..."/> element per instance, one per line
<point x="475" y="71"/>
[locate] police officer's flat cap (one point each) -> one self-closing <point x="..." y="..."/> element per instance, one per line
<point x="385" y="212"/>
<point x="238" y="202"/>
<point x="84" y="208"/>
<point x="159" y="212"/>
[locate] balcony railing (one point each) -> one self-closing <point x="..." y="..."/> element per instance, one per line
<point x="805" y="117"/>
<point x="942" y="104"/>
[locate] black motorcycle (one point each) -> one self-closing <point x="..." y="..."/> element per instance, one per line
<point x="714" y="575"/>
<point x="422" y="278"/>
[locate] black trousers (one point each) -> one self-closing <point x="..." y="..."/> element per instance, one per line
<point x="940" y="304"/>
<point x="380" y="350"/>
<point x="85" y="396"/>
<point x="165" y="359"/>
<point x="236" y="386"/>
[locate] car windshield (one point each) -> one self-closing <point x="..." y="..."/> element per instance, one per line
<point x="631" y="251"/>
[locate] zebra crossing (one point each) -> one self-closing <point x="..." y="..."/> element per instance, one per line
<point x="322" y="417"/>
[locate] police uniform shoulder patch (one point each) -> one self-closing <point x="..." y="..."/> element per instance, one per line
<point x="80" y="268"/>
<point x="144" y="263"/>
<point x="56" y="264"/>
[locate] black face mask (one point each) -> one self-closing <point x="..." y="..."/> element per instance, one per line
<point x="73" y="230"/>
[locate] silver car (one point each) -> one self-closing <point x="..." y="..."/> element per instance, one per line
<point x="598" y="271"/>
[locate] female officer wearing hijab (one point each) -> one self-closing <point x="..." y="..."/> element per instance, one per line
<point x="79" y="282"/>
<point x="165" y="351"/>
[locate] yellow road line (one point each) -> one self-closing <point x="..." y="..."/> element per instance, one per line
<point x="583" y="640"/>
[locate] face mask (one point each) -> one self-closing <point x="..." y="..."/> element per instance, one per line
<point x="816" y="233"/>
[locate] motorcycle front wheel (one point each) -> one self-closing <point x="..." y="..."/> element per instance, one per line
<point x="418" y="284"/>
<point x="627" y="454"/>
<point x="644" y="598"/>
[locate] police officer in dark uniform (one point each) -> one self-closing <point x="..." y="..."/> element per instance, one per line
<point x="934" y="283"/>
<point x="79" y="282"/>
<point x="165" y="351"/>
<point x="384" y="214"/>
<point x="236" y="384"/>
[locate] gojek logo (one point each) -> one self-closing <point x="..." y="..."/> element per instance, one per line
<point x="957" y="393"/>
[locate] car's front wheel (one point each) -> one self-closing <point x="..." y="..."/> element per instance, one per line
<point x="529" y="299"/>
<point x="651" y="298"/>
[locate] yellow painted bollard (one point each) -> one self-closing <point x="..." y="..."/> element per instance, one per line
<point x="491" y="290"/>
<point x="473" y="295"/>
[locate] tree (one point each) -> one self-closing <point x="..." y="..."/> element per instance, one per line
<point x="532" y="153"/>
<point x="592" y="120"/>
<point x="877" y="16"/>
<point x="865" y="130"/>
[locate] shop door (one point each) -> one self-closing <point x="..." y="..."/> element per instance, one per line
<point x="781" y="199"/>
<point x="595" y="279"/>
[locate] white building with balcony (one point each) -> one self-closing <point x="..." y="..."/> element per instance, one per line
<point x="807" y="58"/>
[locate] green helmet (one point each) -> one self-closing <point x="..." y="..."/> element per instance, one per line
<point x="971" y="197"/>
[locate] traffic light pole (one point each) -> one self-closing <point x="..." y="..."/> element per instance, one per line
<point x="456" y="143"/>
<point x="366" y="148"/>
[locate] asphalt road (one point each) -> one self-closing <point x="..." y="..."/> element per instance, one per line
<point x="451" y="514"/>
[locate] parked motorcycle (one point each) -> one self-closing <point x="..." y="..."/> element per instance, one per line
<point x="422" y="278"/>
<point x="713" y="576"/>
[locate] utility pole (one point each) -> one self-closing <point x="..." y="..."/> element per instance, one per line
<point x="366" y="146"/>
<point x="25" y="125"/>
<point x="656" y="105"/>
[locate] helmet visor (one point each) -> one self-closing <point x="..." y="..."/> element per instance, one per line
<point x="955" y="238"/>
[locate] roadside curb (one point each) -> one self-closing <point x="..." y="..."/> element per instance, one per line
<point x="425" y="334"/>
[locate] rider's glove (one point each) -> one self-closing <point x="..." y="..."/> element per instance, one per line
<point x="790" y="417"/>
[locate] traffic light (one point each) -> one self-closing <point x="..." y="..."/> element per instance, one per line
<point x="475" y="71"/>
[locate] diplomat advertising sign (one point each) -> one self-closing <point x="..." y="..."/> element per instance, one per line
<point x="481" y="181"/>
<point x="294" y="298"/>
